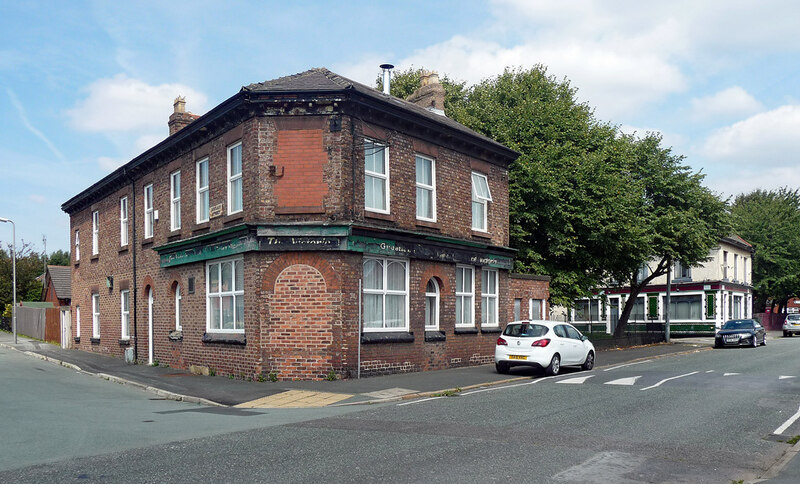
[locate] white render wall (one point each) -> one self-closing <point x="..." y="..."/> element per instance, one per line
<point x="739" y="264"/>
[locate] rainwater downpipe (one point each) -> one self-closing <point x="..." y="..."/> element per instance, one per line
<point x="135" y="281"/>
<point x="358" y="372"/>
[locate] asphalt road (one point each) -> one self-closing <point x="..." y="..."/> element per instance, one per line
<point x="708" y="416"/>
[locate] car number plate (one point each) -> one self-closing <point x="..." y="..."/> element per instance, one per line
<point x="517" y="357"/>
<point x="731" y="339"/>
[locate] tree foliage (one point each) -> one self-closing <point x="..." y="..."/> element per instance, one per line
<point x="29" y="266"/>
<point x="59" y="258"/>
<point x="770" y="221"/>
<point x="587" y="204"/>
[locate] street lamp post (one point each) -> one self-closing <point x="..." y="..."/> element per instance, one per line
<point x="13" y="275"/>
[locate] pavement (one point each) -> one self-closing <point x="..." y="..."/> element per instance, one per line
<point x="180" y="384"/>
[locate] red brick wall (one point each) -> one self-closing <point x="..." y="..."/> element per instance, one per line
<point x="525" y="289"/>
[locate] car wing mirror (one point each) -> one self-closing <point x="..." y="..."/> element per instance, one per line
<point x="584" y="337"/>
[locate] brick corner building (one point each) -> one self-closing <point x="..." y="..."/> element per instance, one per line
<point x="305" y="225"/>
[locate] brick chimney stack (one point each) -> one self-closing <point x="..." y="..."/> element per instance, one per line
<point x="179" y="119"/>
<point x="430" y="94"/>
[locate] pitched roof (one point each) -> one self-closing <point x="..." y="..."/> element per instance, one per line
<point x="62" y="280"/>
<point x="322" y="80"/>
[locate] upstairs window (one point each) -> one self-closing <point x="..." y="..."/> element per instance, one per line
<point x="95" y="232"/>
<point x="202" y="191"/>
<point x="681" y="271"/>
<point x="149" y="216"/>
<point x="376" y="177"/>
<point x="481" y="196"/>
<point x="725" y="265"/>
<point x="175" y="200"/>
<point x="123" y="221"/>
<point x="235" y="178"/>
<point x="465" y="294"/>
<point x="77" y="245"/>
<point x="426" y="189"/>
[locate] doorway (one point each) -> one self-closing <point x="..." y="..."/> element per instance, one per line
<point x="613" y="312"/>
<point x="150" y="326"/>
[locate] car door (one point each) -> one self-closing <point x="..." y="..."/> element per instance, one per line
<point x="566" y="345"/>
<point x="577" y="347"/>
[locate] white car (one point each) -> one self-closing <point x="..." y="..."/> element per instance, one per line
<point x="792" y="325"/>
<point x="543" y="344"/>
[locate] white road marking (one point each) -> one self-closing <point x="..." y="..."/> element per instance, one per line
<point x="784" y="377"/>
<point x="575" y="381"/>
<point x="624" y="381"/>
<point x="710" y="371"/>
<point x="731" y="374"/>
<point x="419" y="401"/>
<point x="787" y="423"/>
<point x="626" y="364"/>
<point x="668" y="379"/>
<point x="488" y="389"/>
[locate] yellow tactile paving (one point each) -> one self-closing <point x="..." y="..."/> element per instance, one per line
<point x="296" y="399"/>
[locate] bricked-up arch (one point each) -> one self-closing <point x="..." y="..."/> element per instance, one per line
<point x="330" y="276"/>
<point x="437" y="273"/>
<point x="147" y="282"/>
<point x="300" y="330"/>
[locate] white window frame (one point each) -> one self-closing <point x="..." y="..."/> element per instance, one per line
<point x="77" y="245"/>
<point x="532" y="316"/>
<point x="95" y="315"/>
<point x="468" y="295"/>
<point x="429" y="188"/>
<point x="123" y="221"/>
<point x="437" y="298"/>
<point x="175" y="201"/>
<point x="149" y="216"/>
<point x="492" y="320"/>
<point x="387" y="292"/>
<point x="382" y="176"/>
<point x="178" y="297"/>
<point x="481" y="199"/>
<point x="78" y="321"/>
<point x="202" y="193"/>
<point x="235" y="293"/>
<point x="232" y="178"/>
<point x="95" y="232"/>
<point x="125" y="314"/>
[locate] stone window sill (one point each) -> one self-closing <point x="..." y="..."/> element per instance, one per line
<point x="125" y="342"/>
<point x="123" y="250"/>
<point x="470" y="330"/>
<point x="95" y="341"/>
<point x="428" y="225"/>
<point x="490" y="329"/>
<point x="434" y="336"/>
<point x="379" y="216"/>
<point x="147" y="242"/>
<point x="387" y="337"/>
<point x="176" y="335"/>
<point x="225" y="338"/>
<point x="76" y="339"/>
<point x="481" y="235"/>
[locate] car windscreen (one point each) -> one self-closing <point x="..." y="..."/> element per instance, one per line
<point x="793" y="317"/>
<point x="738" y="324"/>
<point x="525" y="330"/>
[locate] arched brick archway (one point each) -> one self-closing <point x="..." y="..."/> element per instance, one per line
<point x="300" y="329"/>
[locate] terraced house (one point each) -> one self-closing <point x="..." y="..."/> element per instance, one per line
<point x="306" y="225"/>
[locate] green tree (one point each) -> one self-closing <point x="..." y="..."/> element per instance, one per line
<point x="683" y="220"/>
<point x="59" y="258"/>
<point x="29" y="267"/>
<point x="769" y="220"/>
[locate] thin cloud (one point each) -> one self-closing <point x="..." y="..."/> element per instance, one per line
<point x="25" y="122"/>
<point x="733" y="101"/>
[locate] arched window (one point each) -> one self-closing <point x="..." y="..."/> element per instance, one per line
<point x="432" y="305"/>
<point x="178" y="326"/>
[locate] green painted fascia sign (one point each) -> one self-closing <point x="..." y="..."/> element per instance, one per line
<point x="216" y="250"/>
<point x="370" y="245"/>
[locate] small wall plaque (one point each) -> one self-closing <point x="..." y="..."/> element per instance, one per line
<point x="215" y="211"/>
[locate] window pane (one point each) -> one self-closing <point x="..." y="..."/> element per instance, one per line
<point x="238" y="269"/>
<point x="468" y="310"/>
<point x="485" y="283"/>
<point x="213" y="278"/>
<point x="176" y="185"/>
<point x="373" y="311"/>
<point x="459" y="279"/>
<point x="396" y="276"/>
<point x="375" y="193"/>
<point x="239" y="312"/>
<point x="373" y="274"/>
<point x="517" y="308"/>
<point x="480" y="187"/>
<point x="395" y="311"/>
<point x="236" y="160"/>
<point x="459" y="309"/>
<point x="424" y="171"/>
<point x="369" y="155"/>
<point x="431" y="287"/>
<point x="430" y="311"/>
<point x="536" y="309"/>
<point x="204" y="206"/>
<point x="236" y="195"/>
<point x="227" y="312"/>
<point x="424" y="203"/>
<point x="214" y="310"/>
<point x="203" y="174"/>
<point x="485" y="311"/>
<point x="227" y="276"/>
<point x="491" y="308"/>
<point x="467" y="279"/>
<point x="478" y="210"/>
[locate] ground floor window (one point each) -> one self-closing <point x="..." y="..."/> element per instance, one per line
<point x="465" y="294"/>
<point x="125" y="317"/>
<point x="737" y="307"/>
<point x="385" y="292"/>
<point x="225" y="296"/>
<point x="586" y="310"/>
<point x="637" y="313"/>
<point x="489" y="312"/>
<point x="517" y="308"/>
<point x="535" y="309"/>
<point x="686" y="307"/>
<point x="95" y="315"/>
<point x="432" y="305"/>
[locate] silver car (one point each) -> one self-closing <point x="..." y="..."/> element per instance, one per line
<point x="792" y="325"/>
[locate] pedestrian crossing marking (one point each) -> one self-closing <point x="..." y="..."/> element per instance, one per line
<point x="624" y="381"/>
<point x="731" y="374"/>
<point x="575" y="381"/>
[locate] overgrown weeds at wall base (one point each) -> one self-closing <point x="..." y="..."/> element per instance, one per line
<point x="212" y="372"/>
<point x="332" y="376"/>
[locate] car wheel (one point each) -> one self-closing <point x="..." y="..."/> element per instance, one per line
<point x="501" y="368"/>
<point x="764" y="340"/>
<point x="755" y="341"/>
<point x="555" y="366"/>
<point x="589" y="363"/>
<point x="786" y="334"/>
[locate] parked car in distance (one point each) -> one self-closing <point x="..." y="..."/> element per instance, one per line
<point x="791" y="325"/>
<point x="543" y="344"/>
<point x="741" y="332"/>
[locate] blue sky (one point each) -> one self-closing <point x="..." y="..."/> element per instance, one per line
<point x="86" y="86"/>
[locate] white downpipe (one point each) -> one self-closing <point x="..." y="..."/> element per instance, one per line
<point x="358" y="372"/>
